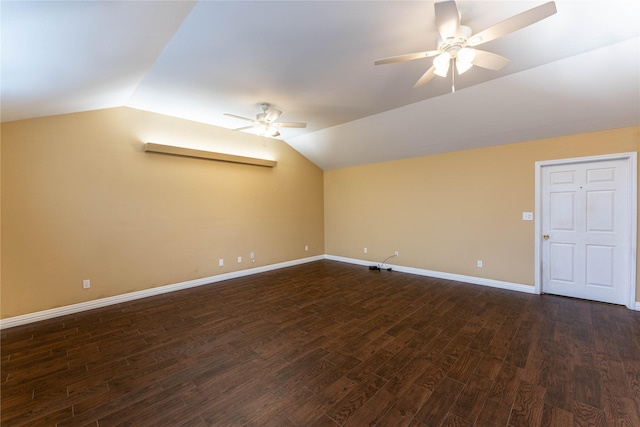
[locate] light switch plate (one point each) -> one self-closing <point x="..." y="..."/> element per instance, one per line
<point x="527" y="216"/>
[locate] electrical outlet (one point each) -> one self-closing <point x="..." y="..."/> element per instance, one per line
<point x="306" y="247"/>
<point x="365" y="250"/>
<point x="252" y="255"/>
<point x="479" y="264"/>
<point x="239" y="259"/>
<point x="397" y="253"/>
<point x="220" y="262"/>
<point x="527" y="216"/>
<point x="86" y="284"/>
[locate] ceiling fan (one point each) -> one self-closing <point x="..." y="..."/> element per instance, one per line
<point x="265" y="122"/>
<point x="456" y="44"/>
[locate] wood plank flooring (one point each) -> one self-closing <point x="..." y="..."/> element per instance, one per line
<point x="328" y="344"/>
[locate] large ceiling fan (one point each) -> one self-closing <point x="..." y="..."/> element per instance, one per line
<point x="456" y="44"/>
<point x="265" y="122"/>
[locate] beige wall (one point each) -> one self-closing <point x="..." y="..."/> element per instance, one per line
<point x="445" y="212"/>
<point x="82" y="200"/>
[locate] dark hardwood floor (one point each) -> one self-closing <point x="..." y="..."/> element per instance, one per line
<point x="326" y="344"/>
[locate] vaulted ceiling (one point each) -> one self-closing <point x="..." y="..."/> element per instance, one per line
<point x="576" y="71"/>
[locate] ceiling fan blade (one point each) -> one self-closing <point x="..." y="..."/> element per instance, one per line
<point x="272" y="115"/>
<point x="489" y="60"/>
<point x="238" y="117"/>
<point x="447" y="19"/>
<point x="244" y="127"/>
<point x="426" y="77"/>
<point x="290" y="125"/>
<point x="407" y="57"/>
<point x="514" y="23"/>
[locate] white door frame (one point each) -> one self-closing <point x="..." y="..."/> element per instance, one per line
<point x="632" y="160"/>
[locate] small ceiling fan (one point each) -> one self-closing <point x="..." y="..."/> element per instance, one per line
<point x="455" y="43"/>
<point x="265" y="122"/>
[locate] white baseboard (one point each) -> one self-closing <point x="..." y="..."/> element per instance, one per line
<point x="103" y="302"/>
<point x="458" y="277"/>
<point x="440" y="275"/>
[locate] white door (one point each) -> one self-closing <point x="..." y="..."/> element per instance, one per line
<point x="585" y="222"/>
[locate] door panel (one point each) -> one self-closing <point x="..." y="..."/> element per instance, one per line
<point x="600" y="266"/>
<point x="562" y="215"/>
<point x="562" y="269"/>
<point x="600" y="211"/>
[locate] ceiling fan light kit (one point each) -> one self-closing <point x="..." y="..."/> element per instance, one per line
<point x="455" y="42"/>
<point x="266" y="130"/>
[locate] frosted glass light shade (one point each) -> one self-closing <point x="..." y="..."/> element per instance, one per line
<point x="442" y="62"/>
<point x="466" y="54"/>
<point x="462" y="66"/>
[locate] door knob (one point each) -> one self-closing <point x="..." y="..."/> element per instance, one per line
<point x="545" y="236"/>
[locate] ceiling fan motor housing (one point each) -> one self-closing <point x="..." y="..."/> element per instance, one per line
<point x="453" y="44"/>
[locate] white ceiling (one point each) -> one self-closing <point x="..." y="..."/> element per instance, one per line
<point x="577" y="71"/>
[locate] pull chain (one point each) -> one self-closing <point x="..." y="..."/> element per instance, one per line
<point x="453" y="76"/>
